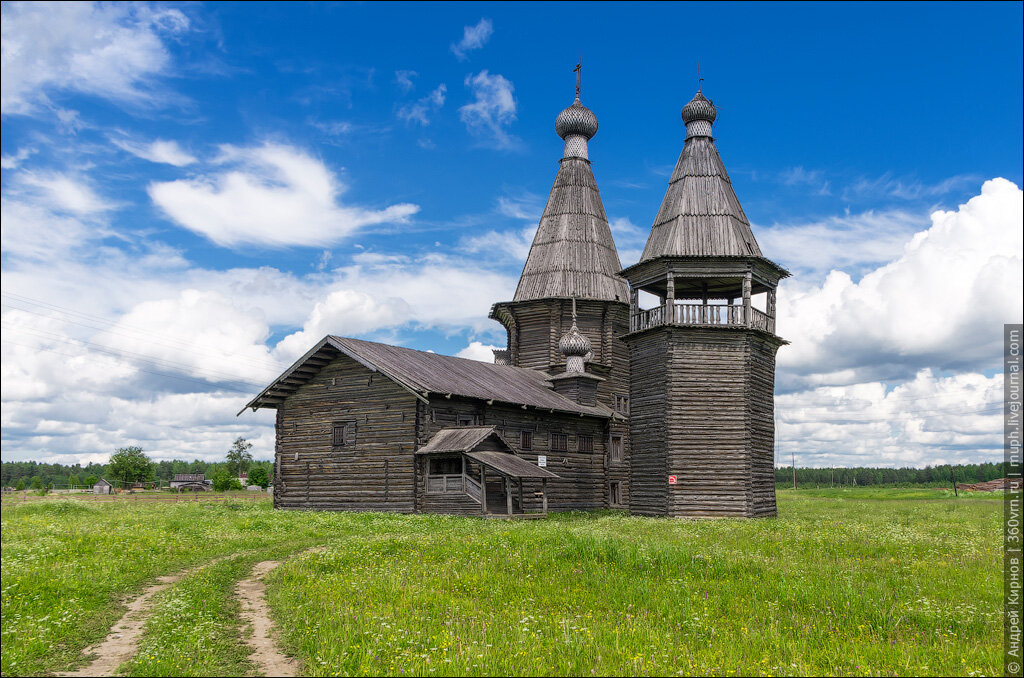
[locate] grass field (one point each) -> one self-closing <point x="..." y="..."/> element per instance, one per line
<point x="855" y="582"/>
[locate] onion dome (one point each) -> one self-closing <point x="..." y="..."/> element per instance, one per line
<point x="574" y="346"/>
<point x="573" y="343"/>
<point x="576" y="120"/>
<point x="699" y="108"/>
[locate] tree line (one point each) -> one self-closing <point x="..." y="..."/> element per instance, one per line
<point x="936" y="476"/>
<point x="131" y="464"/>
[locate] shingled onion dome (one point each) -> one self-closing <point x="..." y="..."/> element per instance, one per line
<point x="576" y="125"/>
<point x="698" y="115"/>
<point x="574" y="346"/>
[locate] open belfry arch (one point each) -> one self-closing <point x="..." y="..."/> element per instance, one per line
<point x="649" y="387"/>
<point x="702" y="358"/>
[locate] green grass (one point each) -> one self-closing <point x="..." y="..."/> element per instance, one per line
<point x="854" y="581"/>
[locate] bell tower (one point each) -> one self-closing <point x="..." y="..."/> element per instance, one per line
<point x="702" y="346"/>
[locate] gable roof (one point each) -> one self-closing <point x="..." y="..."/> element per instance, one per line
<point x="466" y="439"/>
<point x="422" y="373"/>
<point x="459" y="439"/>
<point x="573" y="253"/>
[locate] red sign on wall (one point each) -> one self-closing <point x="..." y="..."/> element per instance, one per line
<point x="671" y="480"/>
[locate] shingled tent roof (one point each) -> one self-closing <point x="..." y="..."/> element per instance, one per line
<point x="700" y="215"/>
<point x="573" y="253"/>
<point x="424" y="373"/>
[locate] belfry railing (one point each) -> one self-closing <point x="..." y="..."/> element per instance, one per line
<point x="700" y="315"/>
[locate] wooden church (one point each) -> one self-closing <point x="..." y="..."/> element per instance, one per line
<point x="648" y="388"/>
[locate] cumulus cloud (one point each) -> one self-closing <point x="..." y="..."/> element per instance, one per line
<point x="110" y="50"/>
<point x="159" y="151"/>
<point x="942" y="303"/>
<point x="851" y="242"/>
<point x="492" y="110"/>
<point x="926" y="420"/>
<point x="421" y="110"/>
<point x="199" y="333"/>
<point x="272" y="195"/>
<point x="478" y="351"/>
<point x="473" y="37"/>
<point x="378" y="293"/>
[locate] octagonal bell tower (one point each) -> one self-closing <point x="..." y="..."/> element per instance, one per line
<point x="702" y="346"/>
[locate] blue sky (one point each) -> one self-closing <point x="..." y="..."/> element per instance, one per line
<point x="194" y="194"/>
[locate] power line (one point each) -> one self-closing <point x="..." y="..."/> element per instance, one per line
<point x="155" y="362"/>
<point x="119" y="325"/>
<point x="220" y="387"/>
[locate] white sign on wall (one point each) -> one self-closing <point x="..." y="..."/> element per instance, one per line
<point x="542" y="460"/>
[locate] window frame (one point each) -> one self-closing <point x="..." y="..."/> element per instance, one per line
<point x="336" y="440"/>
<point x="562" y="442"/>
<point x="616" y="452"/>
<point x="585" y="442"/>
<point x="526" y="440"/>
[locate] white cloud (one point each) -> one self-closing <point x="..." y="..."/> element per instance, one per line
<point x="492" y="111"/>
<point x="904" y="188"/>
<point x="850" y="242"/>
<point x="478" y="351"/>
<point x="377" y="293"/>
<point x="813" y="179"/>
<point x="926" y="420"/>
<point x="114" y="51"/>
<point x="528" y="206"/>
<point x="941" y="304"/>
<point x="271" y="195"/>
<point x="12" y="161"/>
<point x="404" y="80"/>
<point x="421" y="110"/>
<point x="202" y="334"/>
<point x="159" y="151"/>
<point x="65" y="193"/>
<point x="473" y="37"/>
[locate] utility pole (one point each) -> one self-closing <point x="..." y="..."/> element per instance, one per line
<point x="794" y="468"/>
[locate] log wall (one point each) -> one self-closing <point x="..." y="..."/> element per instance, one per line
<point x="584" y="476"/>
<point x="703" y="411"/>
<point x="374" y="470"/>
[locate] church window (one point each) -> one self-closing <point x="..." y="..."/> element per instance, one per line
<point x="615" y="449"/>
<point x="559" y="442"/>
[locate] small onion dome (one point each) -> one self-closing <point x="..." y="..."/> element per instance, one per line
<point x="699" y="108"/>
<point x="577" y="119"/>
<point x="573" y="343"/>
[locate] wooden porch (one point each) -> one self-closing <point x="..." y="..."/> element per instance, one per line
<point x="493" y="479"/>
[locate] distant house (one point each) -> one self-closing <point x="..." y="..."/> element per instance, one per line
<point x="101" y="486"/>
<point x="191" y="482"/>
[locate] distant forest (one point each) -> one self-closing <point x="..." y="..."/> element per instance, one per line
<point x="937" y="476"/>
<point x="933" y="476"/>
<point x="57" y="475"/>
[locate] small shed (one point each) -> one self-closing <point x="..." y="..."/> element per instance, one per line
<point x="189" y="482"/>
<point x="101" y="486"/>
